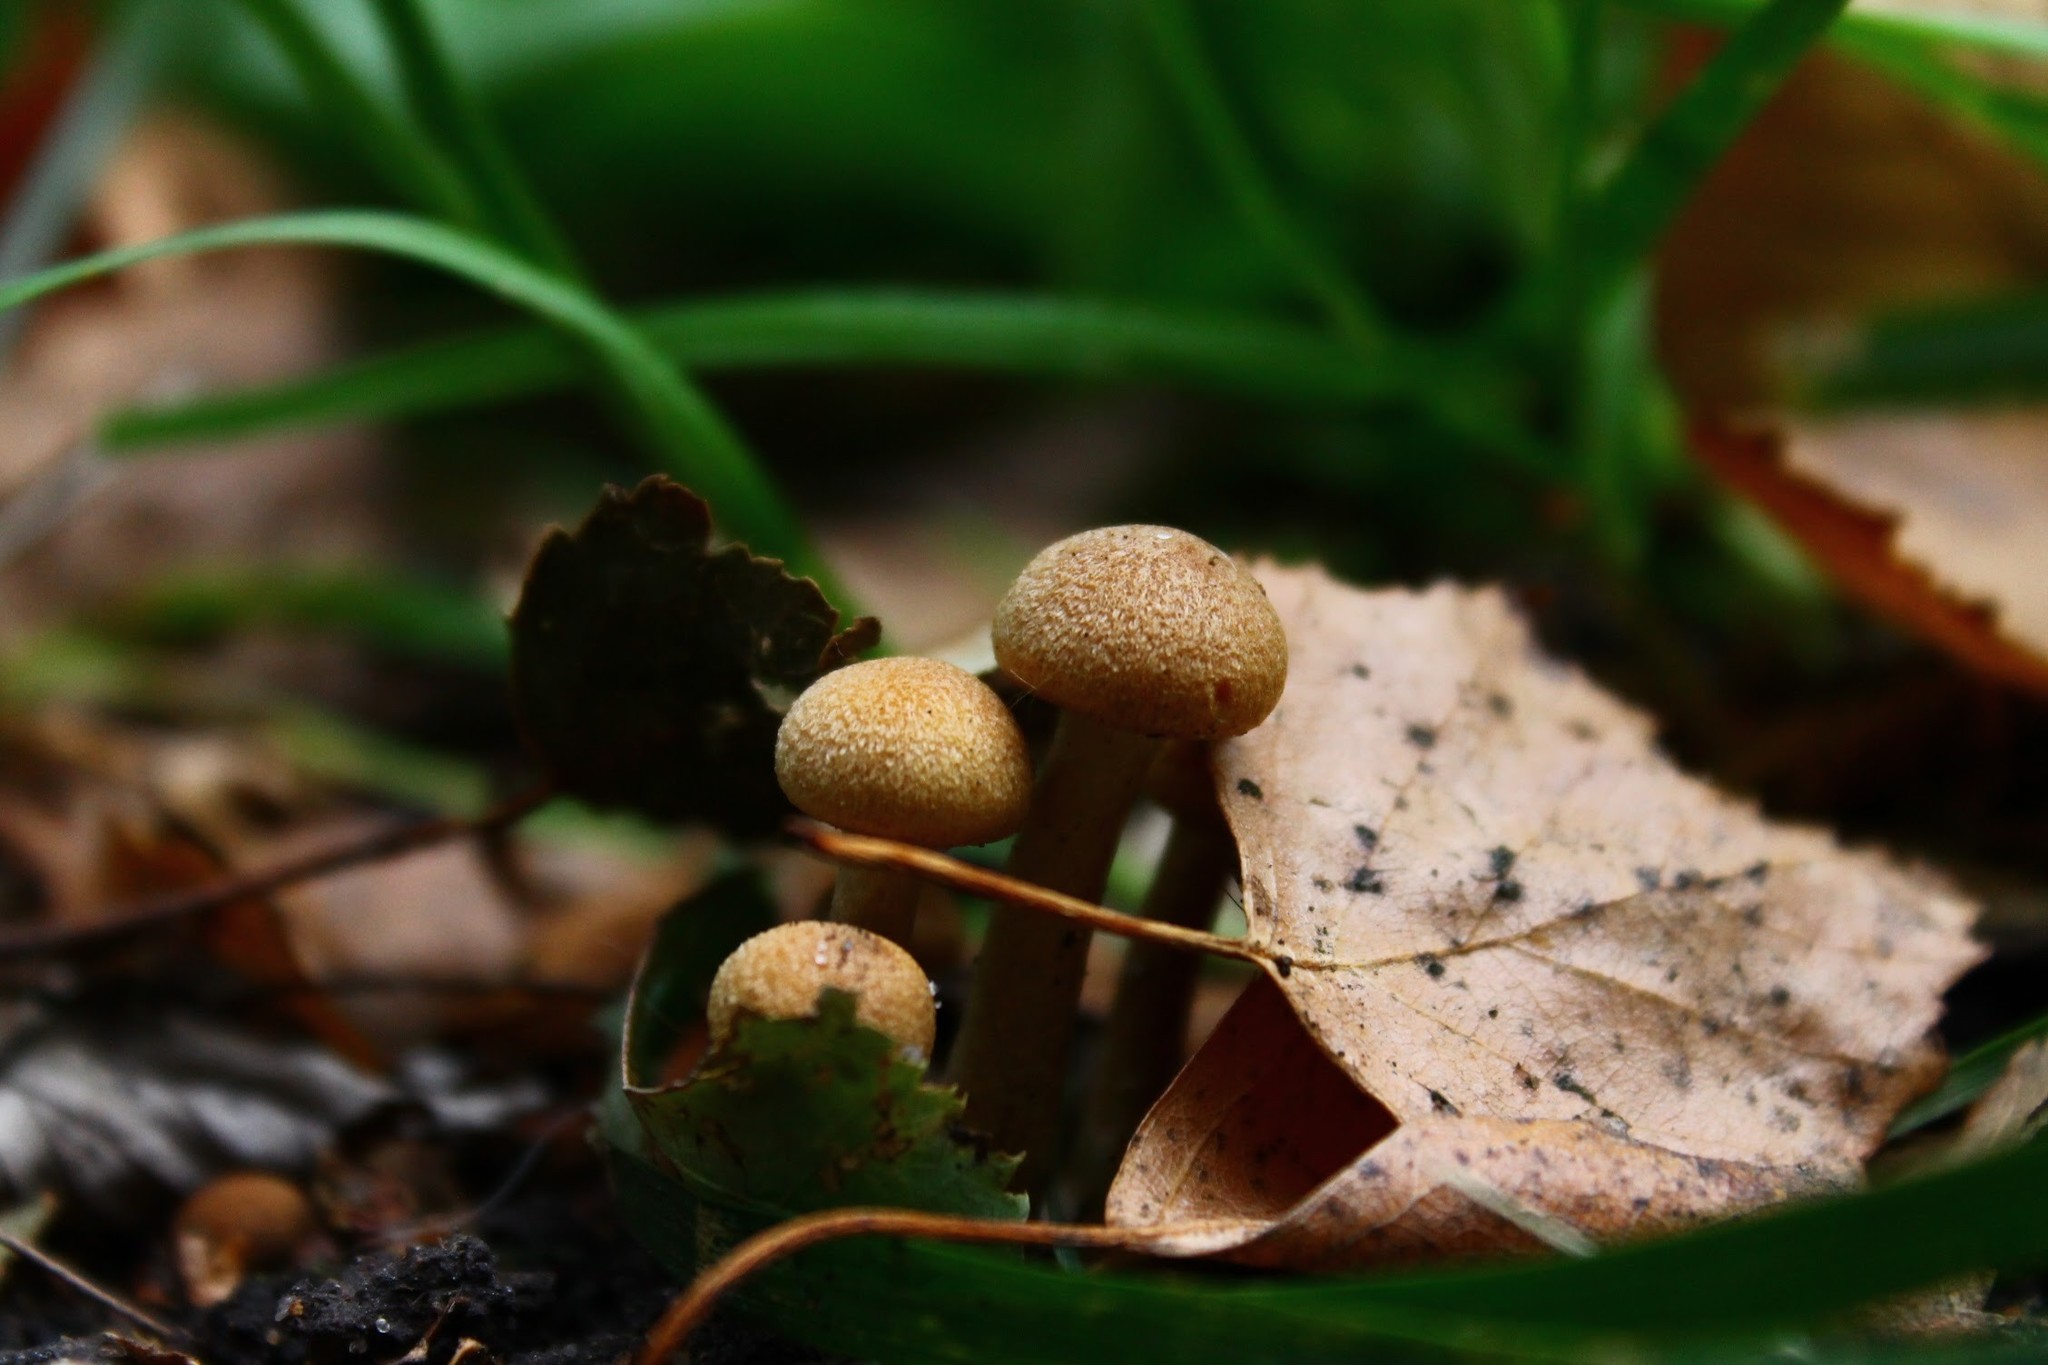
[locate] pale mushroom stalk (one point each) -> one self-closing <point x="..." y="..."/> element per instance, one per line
<point x="1139" y="634"/>
<point x="1011" y="1056"/>
<point x="905" y="748"/>
<point x="1145" y="1039"/>
<point x="881" y="900"/>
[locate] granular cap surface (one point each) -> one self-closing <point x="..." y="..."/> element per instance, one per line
<point x="1146" y="628"/>
<point x="910" y="749"/>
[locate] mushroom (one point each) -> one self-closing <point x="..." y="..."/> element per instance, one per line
<point x="909" y="749"/>
<point x="241" y="1222"/>
<point x="1139" y="634"/>
<point x="779" y="974"/>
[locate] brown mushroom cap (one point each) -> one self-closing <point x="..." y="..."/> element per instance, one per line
<point x="778" y="975"/>
<point x="910" y="749"/>
<point x="1145" y="628"/>
<point x="238" y="1223"/>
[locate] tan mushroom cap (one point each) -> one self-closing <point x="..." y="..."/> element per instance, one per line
<point x="238" y="1223"/>
<point x="778" y="975"/>
<point x="910" y="749"/>
<point x="1145" y="628"/>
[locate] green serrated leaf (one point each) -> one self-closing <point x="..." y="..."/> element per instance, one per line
<point x="669" y="994"/>
<point x="639" y="655"/>
<point x="690" y="944"/>
<point x="803" y="1114"/>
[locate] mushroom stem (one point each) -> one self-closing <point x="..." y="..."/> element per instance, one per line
<point x="879" y="900"/>
<point x="1145" y="1039"/>
<point x="1012" y="1055"/>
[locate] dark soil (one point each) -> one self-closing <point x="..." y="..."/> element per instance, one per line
<point x="557" y="1283"/>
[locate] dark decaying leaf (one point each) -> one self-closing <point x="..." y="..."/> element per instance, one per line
<point x="99" y="1103"/>
<point x="640" y="656"/>
<point x="93" y="1107"/>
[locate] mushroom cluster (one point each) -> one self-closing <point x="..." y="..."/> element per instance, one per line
<point x="1152" y="643"/>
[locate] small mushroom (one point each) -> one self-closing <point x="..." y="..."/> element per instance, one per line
<point x="237" y="1224"/>
<point x="1140" y="634"/>
<point x="780" y="973"/>
<point x="909" y="749"/>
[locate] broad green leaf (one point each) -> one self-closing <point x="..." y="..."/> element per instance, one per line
<point x="640" y="656"/>
<point x="804" y="1114"/>
<point x="1034" y="337"/>
<point x="677" y="417"/>
<point x="1735" y="1292"/>
<point x="674" y="981"/>
<point x="667" y="999"/>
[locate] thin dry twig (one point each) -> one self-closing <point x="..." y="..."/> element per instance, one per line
<point x="689" y="1309"/>
<point x="105" y="1298"/>
<point x="376" y="846"/>
<point x="862" y="850"/>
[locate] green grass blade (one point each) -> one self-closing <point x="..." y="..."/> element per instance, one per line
<point x="1928" y="22"/>
<point x="43" y="209"/>
<point x="1717" y="1295"/>
<point x="2017" y="117"/>
<point x="397" y="614"/>
<point x="450" y="111"/>
<point x="1245" y="182"/>
<point x="1019" y="335"/>
<point x="1986" y="350"/>
<point x="1972" y="1074"/>
<point x="1628" y="216"/>
<point x="413" y="168"/>
<point x="697" y="446"/>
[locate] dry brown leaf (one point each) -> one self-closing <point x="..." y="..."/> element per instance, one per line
<point x="1487" y="897"/>
<point x="1262" y="1128"/>
<point x="217" y="321"/>
<point x="1934" y="520"/>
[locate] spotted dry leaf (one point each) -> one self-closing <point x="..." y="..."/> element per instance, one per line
<point x="1488" y="898"/>
<point x="1333" y="1183"/>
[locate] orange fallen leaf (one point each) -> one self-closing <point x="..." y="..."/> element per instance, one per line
<point x="1933" y="520"/>
<point x="1502" y="915"/>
